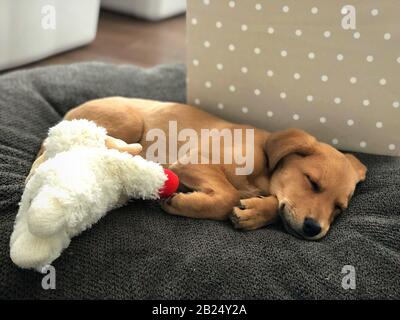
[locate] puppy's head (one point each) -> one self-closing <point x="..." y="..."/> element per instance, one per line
<point x="313" y="181"/>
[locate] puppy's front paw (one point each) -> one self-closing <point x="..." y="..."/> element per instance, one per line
<point x="249" y="215"/>
<point x="167" y="204"/>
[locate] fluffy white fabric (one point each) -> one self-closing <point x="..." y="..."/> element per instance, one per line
<point x="80" y="181"/>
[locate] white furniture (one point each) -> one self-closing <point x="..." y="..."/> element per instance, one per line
<point x="35" y="29"/>
<point x="147" y="9"/>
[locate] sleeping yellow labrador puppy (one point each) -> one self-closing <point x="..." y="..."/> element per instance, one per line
<point x="305" y="182"/>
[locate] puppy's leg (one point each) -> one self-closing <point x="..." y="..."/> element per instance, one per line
<point x="254" y="213"/>
<point x="120" y="145"/>
<point x="117" y="115"/>
<point x="121" y="120"/>
<point x="111" y="143"/>
<point x="213" y="196"/>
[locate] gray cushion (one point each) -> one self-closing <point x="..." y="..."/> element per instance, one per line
<point x="140" y="252"/>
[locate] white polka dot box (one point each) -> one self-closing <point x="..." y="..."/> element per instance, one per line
<point x="329" y="67"/>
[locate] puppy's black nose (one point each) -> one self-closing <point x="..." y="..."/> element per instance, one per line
<point x="311" y="227"/>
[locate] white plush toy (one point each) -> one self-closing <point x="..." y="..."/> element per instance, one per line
<point x="80" y="180"/>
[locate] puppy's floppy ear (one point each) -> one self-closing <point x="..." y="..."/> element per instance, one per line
<point x="282" y="143"/>
<point x="358" y="166"/>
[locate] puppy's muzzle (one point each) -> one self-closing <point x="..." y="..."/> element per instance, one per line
<point x="309" y="229"/>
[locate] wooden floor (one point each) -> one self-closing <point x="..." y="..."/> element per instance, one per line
<point x="127" y="40"/>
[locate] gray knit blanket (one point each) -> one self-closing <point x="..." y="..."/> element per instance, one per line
<point x="139" y="252"/>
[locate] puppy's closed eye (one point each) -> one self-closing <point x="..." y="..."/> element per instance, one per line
<point x="314" y="185"/>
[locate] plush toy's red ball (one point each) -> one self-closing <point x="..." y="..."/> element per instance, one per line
<point x="170" y="185"/>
